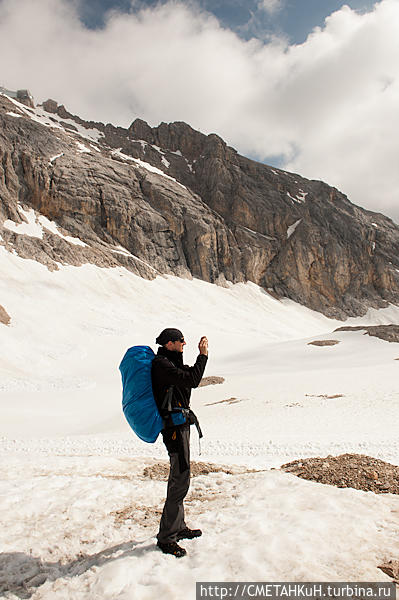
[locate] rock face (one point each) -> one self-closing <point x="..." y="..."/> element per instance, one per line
<point x="172" y="200"/>
<point x="5" y="318"/>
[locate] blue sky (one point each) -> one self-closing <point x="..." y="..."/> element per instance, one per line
<point x="294" y="19"/>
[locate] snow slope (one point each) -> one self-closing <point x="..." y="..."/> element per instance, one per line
<point x="70" y="328"/>
<point x="68" y="542"/>
<point x="70" y="462"/>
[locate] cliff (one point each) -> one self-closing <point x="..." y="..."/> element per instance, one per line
<point x="172" y="200"/>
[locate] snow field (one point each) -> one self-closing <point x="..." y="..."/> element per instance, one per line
<point x="264" y="526"/>
<point x="70" y="328"/>
<point x="71" y="464"/>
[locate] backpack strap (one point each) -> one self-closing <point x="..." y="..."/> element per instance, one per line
<point x="166" y="408"/>
<point x="167" y="402"/>
<point x="191" y="417"/>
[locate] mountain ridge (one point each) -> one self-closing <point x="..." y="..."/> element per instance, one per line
<point x="170" y="199"/>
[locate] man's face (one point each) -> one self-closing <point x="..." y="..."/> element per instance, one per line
<point x="176" y="346"/>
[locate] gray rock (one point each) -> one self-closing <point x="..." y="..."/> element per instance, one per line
<point x="224" y="218"/>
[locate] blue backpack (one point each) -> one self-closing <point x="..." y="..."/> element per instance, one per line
<point x="138" y="402"/>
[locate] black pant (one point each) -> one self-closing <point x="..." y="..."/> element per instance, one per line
<point x="172" y="521"/>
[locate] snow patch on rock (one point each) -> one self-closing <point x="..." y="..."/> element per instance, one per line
<point x="82" y="148"/>
<point x="13" y="114"/>
<point x="31" y="227"/>
<point x="54" y="158"/>
<point x="292" y="228"/>
<point x="145" y="165"/>
<point x="34" y="225"/>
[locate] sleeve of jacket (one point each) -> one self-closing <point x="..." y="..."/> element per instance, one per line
<point x="187" y="376"/>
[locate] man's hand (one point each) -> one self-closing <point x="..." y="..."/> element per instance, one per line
<point x="203" y="345"/>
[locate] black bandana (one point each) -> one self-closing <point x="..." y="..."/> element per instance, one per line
<point x="169" y="335"/>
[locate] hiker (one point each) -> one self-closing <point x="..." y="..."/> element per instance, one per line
<point x="170" y="376"/>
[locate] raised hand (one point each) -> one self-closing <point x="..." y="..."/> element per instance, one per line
<point x="203" y="345"/>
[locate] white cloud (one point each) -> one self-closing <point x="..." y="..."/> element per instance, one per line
<point x="328" y="105"/>
<point x="270" y="6"/>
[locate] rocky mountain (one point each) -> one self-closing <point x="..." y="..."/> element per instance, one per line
<point x="172" y="200"/>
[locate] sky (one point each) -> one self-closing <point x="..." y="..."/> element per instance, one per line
<point x="311" y="86"/>
<point x="293" y="19"/>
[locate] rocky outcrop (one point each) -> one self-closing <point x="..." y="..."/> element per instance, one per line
<point x="23" y="96"/>
<point x="388" y="333"/>
<point x="170" y="199"/>
<point x="5" y="318"/>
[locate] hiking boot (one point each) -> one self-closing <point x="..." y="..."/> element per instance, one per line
<point x="172" y="548"/>
<point x="188" y="534"/>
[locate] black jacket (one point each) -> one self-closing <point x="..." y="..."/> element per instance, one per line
<point x="168" y="369"/>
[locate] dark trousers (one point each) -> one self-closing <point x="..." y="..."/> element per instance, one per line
<point x="172" y="521"/>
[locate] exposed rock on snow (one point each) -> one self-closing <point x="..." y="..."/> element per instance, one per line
<point x="348" y="470"/>
<point x="211" y="380"/>
<point x="325" y="396"/>
<point x="160" y="470"/>
<point x="232" y="400"/>
<point x="391" y="568"/>
<point x="4" y="316"/>
<point x="389" y="333"/>
<point x="149" y="516"/>
<point x="145" y="516"/>
<point x="323" y="343"/>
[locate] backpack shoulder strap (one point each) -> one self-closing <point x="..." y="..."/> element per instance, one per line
<point x="167" y="402"/>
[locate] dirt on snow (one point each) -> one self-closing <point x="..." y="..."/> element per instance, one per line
<point x="160" y="470"/>
<point x="348" y="470"/>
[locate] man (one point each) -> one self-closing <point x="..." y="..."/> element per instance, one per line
<point x="171" y="377"/>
